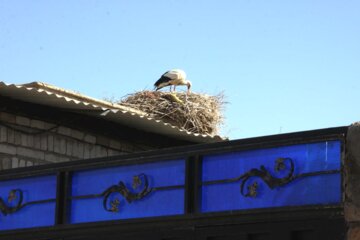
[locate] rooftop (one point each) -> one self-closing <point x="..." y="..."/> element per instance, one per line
<point x="49" y="95"/>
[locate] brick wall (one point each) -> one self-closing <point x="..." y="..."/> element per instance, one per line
<point x="28" y="142"/>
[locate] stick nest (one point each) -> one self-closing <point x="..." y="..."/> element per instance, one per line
<point x="196" y="113"/>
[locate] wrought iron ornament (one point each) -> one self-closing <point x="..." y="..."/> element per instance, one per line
<point x="271" y="181"/>
<point x="15" y="194"/>
<point x="15" y="201"/>
<point x="126" y="193"/>
<point x="281" y="165"/>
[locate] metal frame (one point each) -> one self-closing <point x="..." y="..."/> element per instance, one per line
<point x="192" y="217"/>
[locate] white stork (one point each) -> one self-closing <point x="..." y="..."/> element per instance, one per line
<point x="174" y="78"/>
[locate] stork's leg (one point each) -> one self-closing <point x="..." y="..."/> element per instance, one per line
<point x="188" y="91"/>
<point x="174" y="87"/>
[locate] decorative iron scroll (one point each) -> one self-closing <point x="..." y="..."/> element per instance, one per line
<point x="15" y="194"/>
<point x="130" y="195"/>
<point x="16" y="197"/>
<point x="281" y="165"/>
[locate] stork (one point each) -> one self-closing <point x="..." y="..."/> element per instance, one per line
<point x="174" y="78"/>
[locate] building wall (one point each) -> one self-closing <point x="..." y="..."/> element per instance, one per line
<point x="352" y="182"/>
<point x="27" y="142"/>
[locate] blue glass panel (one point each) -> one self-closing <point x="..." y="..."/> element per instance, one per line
<point x="307" y="158"/>
<point x="32" y="215"/>
<point x="158" y="203"/>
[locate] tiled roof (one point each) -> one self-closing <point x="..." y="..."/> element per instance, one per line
<point x="45" y="94"/>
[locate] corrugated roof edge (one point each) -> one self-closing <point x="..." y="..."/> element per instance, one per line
<point x="80" y="97"/>
<point x="119" y="114"/>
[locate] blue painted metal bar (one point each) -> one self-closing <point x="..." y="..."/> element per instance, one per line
<point x="164" y="195"/>
<point x="236" y="181"/>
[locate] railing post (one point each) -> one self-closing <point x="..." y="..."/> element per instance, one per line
<point x="61" y="214"/>
<point x="192" y="184"/>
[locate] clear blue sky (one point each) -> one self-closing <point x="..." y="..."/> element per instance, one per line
<point x="284" y="65"/>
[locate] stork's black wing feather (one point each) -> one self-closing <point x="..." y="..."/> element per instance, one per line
<point x="162" y="82"/>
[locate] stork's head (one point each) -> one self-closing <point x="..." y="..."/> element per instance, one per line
<point x="188" y="84"/>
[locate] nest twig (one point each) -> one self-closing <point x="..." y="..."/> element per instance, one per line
<point x="197" y="113"/>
